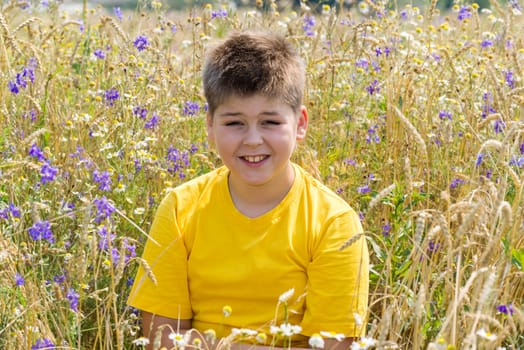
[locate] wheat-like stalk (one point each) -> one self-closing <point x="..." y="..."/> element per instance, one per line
<point x="413" y="131"/>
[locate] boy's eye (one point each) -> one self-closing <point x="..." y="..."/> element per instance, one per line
<point x="232" y="123"/>
<point x="271" y="122"/>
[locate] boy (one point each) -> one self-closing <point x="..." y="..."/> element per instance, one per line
<point x="244" y="234"/>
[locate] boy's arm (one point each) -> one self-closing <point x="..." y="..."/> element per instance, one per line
<point x="153" y="323"/>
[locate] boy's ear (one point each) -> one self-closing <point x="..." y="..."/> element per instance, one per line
<point x="302" y="123"/>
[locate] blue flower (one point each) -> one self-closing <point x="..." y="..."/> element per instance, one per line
<point x="521" y="147"/>
<point x="499" y="125"/>
<point x="36" y="152"/>
<point x="486" y="43"/>
<point x="308" y="24"/>
<point x="364" y="189"/>
<point x="99" y="54"/>
<point x="111" y="96"/>
<point x="464" y="13"/>
<point x="456" y="182"/>
<point x="43" y="343"/>
<point x="106" y="238"/>
<point x="510" y="81"/>
<point x="373" y="87"/>
<point x="13" y="87"/>
<point x="19" y="280"/>
<point x="118" y="13"/>
<point x="479" y="160"/>
<point x="153" y="122"/>
<point x="386" y="229"/>
<point x="47" y="173"/>
<point x="191" y="108"/>
<point x="506" y="309"/>
<point x="41" y="230"/>
<point x="219" y="13"/>
<point x="140" y="112"/>
<point x="141" y="42"/>
<point x="443" y="114"/>
<point x="73" y="297"/>
<point x="103" y="178"/>
<point x="104" y="209"/>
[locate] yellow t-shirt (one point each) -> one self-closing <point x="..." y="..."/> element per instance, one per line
<point x="206" y="255"/>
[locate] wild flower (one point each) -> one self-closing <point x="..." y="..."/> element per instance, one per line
<point x="180" y="340"/>
<point x="43" y="343"/>
<point x="59" y="279"/>
<point x="363" y="343"/>
<point x="479" y="160"/>
<point x="152" y="123"/>
<point x="103" y="179"/>
<point x="444" y="114"/>
<point x="210" y="336"/>
<point x="285" y="330"/>
<point x="456" y="182"/>
<point x="140" y="112"/>
<point x="362" y="63"/>
<point x="222" y="13"/>
<point x="518" y="162"/>
<point x="308" y="25"/>
<point x="373" y="87"/>
<point x="73" y="298"/>
<point x="372" y="135"/>
<point x="19" y="280"/>
<point x="227" y="310"/>
<point x="506" y="309"/>
<point x="118" y="13"/>
<point x="332" y="335"/>
<point x="41" y="230"/>
<point x="99" y="54"/>
<point x="510" y="80"/>
<point x="178" y="161"/>
<point x="141" y="42"/>
<point x="36" y="152"/>
<point x="191" y="108"/>
<point x="486" y="43"/>
<point x="487" y="107"/>
<point x="47" y="173"/>
<point x="316" y="341"/>
<point x="13" y="88"/>
<point x="386" y="229"/>
<point x="142" y="341"/>
<point x="243" y="332"/>
<point x="464" y="12"/>
<point x="499" y="125"/>
<point x="486" y="334"/>
<point x="106" y="237"/>
<point x="261" y="338"/>
<point x="104" y="209"/>
<point x="364" y="189"/>
<point x="111" y="95"/>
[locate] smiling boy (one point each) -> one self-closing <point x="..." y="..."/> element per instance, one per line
<point x="258" y="226"/>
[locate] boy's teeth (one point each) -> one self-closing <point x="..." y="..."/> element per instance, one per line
<point x="254" y="159"/>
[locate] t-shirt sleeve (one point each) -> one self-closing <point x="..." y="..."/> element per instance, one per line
<point x="338" y="280"/>
<point x="161" y="285"/>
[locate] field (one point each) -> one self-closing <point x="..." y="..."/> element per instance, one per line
<point x="416" y="120"/>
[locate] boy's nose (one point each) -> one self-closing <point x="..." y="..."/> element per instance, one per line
<point x="253" y="137"/>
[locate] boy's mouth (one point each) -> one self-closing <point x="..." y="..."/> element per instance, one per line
<point x="254" y="159"/>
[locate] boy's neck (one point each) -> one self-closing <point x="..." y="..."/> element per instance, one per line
<point x="254" y="201"/>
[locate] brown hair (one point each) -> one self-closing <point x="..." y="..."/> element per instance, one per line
<point x="254" y="62"/>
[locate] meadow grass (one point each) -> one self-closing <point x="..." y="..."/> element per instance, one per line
<point x="416" y="120"/>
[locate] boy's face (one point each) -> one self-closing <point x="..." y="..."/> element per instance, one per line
<point x="255" y="137"/>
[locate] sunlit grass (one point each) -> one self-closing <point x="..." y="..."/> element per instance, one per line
<point x="416" y="120"/>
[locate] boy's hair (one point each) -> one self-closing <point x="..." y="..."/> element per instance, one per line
<point x="254" y="62"/>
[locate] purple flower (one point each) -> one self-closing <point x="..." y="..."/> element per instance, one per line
<point x="219" y="13"/>
<point x="308" y="24"/>
<point x="59" y="279"/>
<point x="519" y="162"/>
<point x="433" y="247"/>
<point x="15" y="211"/>
<point x="464" y="13"/>
<point x="118" y="13"/>
<point x="179" y="160"/>
<point x="386" y="229"/>
<point x="36" y="152"/>
<point x="99" y="54"/>
<point x="141" y="42"/>
<point x="521" y="147"/>
<point x="487" y="108"/>
<point x="104" y="209"/>
<point x="13" y="87"/>
<point x="506" y="309"/>
<point x="510" y="81"/>
<point x="479" y="160"/>
<point x="106" y="238"/>
<point x="499" y="125"/>
<point x="19" y="280"/>
<point x="486" y="43"/>
<point x="174" y="28"/>
<point x="111" y="96"/>
<point x="4" y="213"/>
<point x="443" y="114"/>
<point x="191" y="108"/>
<point x="103" y="178"/>
<point x="404" y="15"/>
<point x="364" y="189"/>
<point x="373" y="87"/>
<point x="73" y="296"/>
<point x="153" y="122"/>
<point x="41" y="230"/>
<point x="140" y="112"/>
<point x="47" y="173"/>
<point x="456" y="182"/>
<point x="362" y="63"/>
<point x="43" y="343"/>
